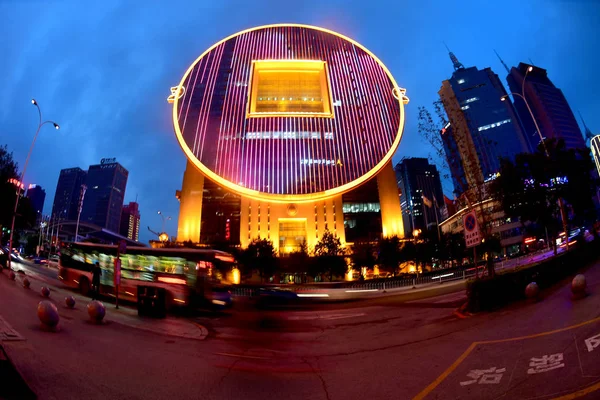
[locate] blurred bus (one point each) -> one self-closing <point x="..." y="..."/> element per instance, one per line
<point x="191" y="277"/>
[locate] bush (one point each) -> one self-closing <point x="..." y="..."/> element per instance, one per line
<point x="492" y="293"/>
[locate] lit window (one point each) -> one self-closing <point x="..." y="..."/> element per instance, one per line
<point x="289" y="83"/>
<point x="494" y="125"/>
<point x="460" y="81"/>
<point x="472" y="99"/>
<point x="465" y="107"/>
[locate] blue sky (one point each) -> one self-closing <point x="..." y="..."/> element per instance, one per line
<point x="103" y="69"/>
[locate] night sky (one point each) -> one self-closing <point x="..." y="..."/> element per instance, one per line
<point x="103" y="70"/>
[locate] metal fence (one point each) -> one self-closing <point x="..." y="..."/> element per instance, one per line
<point x="381" y="284"/>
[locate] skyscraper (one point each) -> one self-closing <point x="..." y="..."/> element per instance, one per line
<point x="130" y="221"/>
<point x="548" y="105"/>
<point x="421" y="193"/>
<point x="484" y="128"/>
<point x="37" y="195"/>
<point x="106" y="183"/>
<point x="68" y="190"/>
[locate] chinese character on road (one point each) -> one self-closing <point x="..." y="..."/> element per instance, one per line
<point x="484" y="376"/>
<point x="545" y="363"/>
<point x="592" y="342"/>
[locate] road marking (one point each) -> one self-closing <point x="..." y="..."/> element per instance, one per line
<point x="242" y="356"/>
<point x="445" y="374"/>
<point x="592" y="343"/>
<point x="312" y="295"/>
<point x="464" y="355"/>
<point x="545" y="363"/>
<point x="489" y="376"/>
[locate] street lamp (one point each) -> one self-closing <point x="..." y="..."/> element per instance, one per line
<point x="522" y="96"/>
<point x="40" y="124"/>
<point x="164" y="220"/>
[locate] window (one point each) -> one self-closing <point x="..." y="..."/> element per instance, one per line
<point x="494" y="125"/>
<point x="472" y="99"/>
<point x="289" y="88"/>
<point x="465" y="107"/>
<point x="461" y="81"/>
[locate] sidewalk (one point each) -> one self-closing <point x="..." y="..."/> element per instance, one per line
<point x="170" y="326"/>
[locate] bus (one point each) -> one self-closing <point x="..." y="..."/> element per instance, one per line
<point x="190" y="277"/>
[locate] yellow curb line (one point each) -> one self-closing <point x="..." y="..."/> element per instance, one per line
<point x="464" y="355"/>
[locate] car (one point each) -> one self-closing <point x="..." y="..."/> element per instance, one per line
<point x="269" y="297"/>
<point x="219" y="297"/>
<point x="40" y="260"/>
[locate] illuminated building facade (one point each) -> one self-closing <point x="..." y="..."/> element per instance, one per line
<point x="130" y="221"/>
<point x="289" y="118"/>
<point x="483" y="127"/>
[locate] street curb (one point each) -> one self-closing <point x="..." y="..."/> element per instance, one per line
<point x="203" y="330"/>
<point x="29" y="393"/>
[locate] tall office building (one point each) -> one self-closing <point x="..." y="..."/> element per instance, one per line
<point x="68" y="190"/>
<point x="421" y="196"/>
<point x="37" y="195"/>
<point x="484" y="128"/>
<point x="106" y="183"/>
<point x="548" y="105"/>
<point x="130" y="221"/>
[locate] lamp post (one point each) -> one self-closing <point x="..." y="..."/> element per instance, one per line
<point x="81" y="196"/>
<point x="561" y="204"/>
<point x="164" y="220"/>
<point x="40" y="124"/>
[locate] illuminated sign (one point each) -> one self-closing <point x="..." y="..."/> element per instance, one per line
<point x="17" y="183"/>
<point x="266" y="112"/>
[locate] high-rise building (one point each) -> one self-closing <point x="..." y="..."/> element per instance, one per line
<point x="595" y="146"/>
<point x="291" y="126"/>
<point x="37" y="195"/>
<point x="483" y="127"/>
<point x="421" y="194"/>
<point x="130" y="221"/>
<point x="548" y="105"/>
<point x="106" y="183"/>
<point x="68" y="190"/>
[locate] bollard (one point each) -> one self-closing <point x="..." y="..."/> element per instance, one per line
<point x="12" y="276"/>
<point x="45" y="291"/>
<point x="48" y="314"/>
<point x="578" y="286"/>
<point x="96" y="311"/>
<point x="70" y="301"/>
<point x="26" y="283"/>
<point x="532" y="291"/>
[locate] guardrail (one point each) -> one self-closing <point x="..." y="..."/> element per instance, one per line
<point x="380" y="285"/>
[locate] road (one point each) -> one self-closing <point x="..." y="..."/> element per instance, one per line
<point x="381" y="349"/>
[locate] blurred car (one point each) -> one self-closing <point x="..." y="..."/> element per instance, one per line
<point x="54" y="258"/>
<point x="269" y="297"/>
<point x="40" y="260"/>
<point x="219" y="297"/>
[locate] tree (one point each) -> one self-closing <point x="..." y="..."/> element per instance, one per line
<point x="329" y="256"/>
<point x="389" y="255"/>
<point x="530" y="187"/>
<point x="8" y="171"/>
<point x="259" y="256"/>
<point x="363" y="255"/>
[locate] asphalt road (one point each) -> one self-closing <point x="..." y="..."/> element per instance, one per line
<point x="379" y="349"/>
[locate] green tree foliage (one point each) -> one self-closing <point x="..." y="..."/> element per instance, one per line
<point x="389" y="254"/>
<point x="8" y="170"/>
<point x="530" y="187"/>
<point x="329" y="256"/>
<point x="363" y="255"/>
<point x="259" y="256"/>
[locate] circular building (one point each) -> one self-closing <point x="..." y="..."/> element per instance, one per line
<point x="288" y="118"/>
